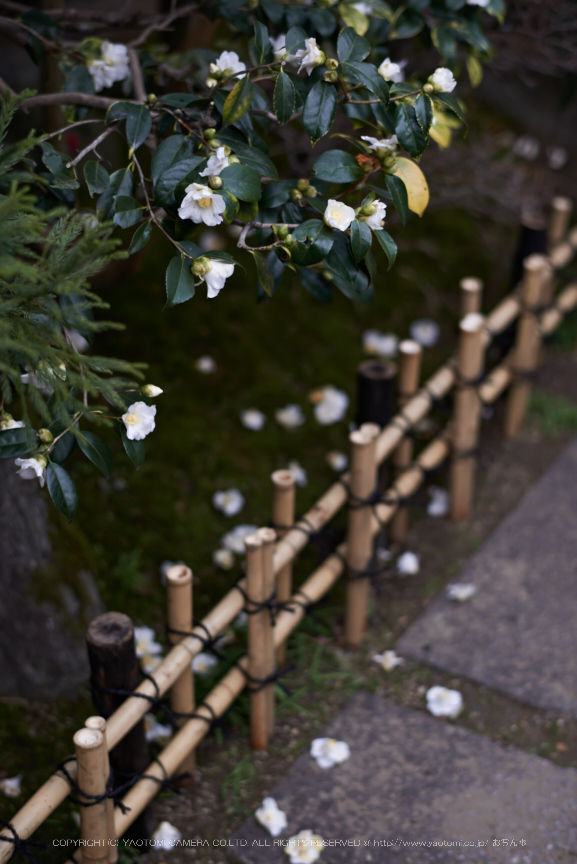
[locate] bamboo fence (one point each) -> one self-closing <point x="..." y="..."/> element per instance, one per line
<point x="271" y="553"/>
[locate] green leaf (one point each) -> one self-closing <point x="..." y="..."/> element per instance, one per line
<point x="79" y="80"/>
<point x="265" y="277"/>
<point x="97" y="178"/>
<point x="316" y="285"/>
<point x="408" y="131"/>
<point x="238" y="101"/>
<point x="62" y="490"/>
<point x="398" y="192"/>
<point x="138" y="125"/>
<point x="135" y="450"/>
<point x="140" y="238"/>
<point x="262" y="44"/>
<point x="319" y="111"/>
<point x="95" y="449"/>
<point x="117" y="111"/>
<point x="295" y="39"/>
<point x="445" y="43"/>
<point x="388" y="244"/>
<point x="256" y="159"/>
<point x="284" y="98"/>
<point x="14" y="442"/>
<point x="337" y="166"/>
<point x="183" y="100"/>
<point x="179" y="282"/>
<point x="128" y="211"/>
<point x="340" y="260"/>
<point x="424" y="112"/>
<point x="450" y="102"/>
<point x="56" y="163"/>
<point x="361" y="238"/>
<point x="474" y="69"/>
<point x="276" y="194"/>
<point x="407" y="24"/>
<point x="242" y="182"/>
<point x="171" y="150"/>
<point x="65" y="445"/>
<point x="321" y="241"/>
<point x="351" y="46"/>
<point x="166" y="183"/>
<point x="367" y="74"/>
<point x="121" y="183"/>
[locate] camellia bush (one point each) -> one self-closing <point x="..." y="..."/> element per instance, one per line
<point x="196" y="133"/>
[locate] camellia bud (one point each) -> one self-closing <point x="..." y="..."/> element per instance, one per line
<point x="330" y="77"/>
<point x="282" y="231"/>
<point x="45" y="436"/>
<point x="302" y="184"/>
<point x="332" y="64"/>
<point x="215" y="182"/>
<point x="209" y="134"/>
<point x="296" y="196"/>
<point x="233" y="160"/>
<point x="151" y="98"/>
<point x="227" y="150"/>
<point x="428" y="88"/>
<point x="215" y="70"/>
<point x="201" y="266"/>
<point x="42" y="460"/>
<point x="151" y="390"/>
<point x="211" y="82"/>
<point x="390" y="162"/>
<point x="321" y="59"/>
<point x="288" y="239"/>
<point x="369" y="209"/>
<point x="311" y="192"/>
<point x="227" y="73"/>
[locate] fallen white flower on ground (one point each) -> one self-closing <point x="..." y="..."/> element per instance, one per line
<point x="461" y="591"/>
<point x="381" y="344"/>
<point x="205" y="364"/>
<point x="203" y="663"/>
<point x="139" y="420"/>
<point x="408" y="564"/>
<point x="290" y="417"/>
<point x="234" y="540"/>
<point x="230" y="502"/>
<point x="166" y="836"/>
<point x="338" y="461"/>
<point x="338" y="215"/>
<point x="271" y="817"/>
<point x="146" y="643"/>
<point x="298" y="473"/>
<point x="304" y="847"/>
<point x="526" y="147"/>
<point x="425" y="332"/>
<point x="253" y="419"/>
<point x="388" y="660"/>
<point x="223" y="558"/>
<point x="439" y="504"/>
<point x="30" y="469"/>
<point x="329" y="752"/>
<point x="201" y="204"/>
<point x="11" y="786"/>
<point x="557" y="158"/>
<point x="332" y="407"/>
<point x="154" y="730"/>
<point x="442" y="702"/>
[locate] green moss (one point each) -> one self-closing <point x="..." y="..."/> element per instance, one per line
<point x="553" y="414"/>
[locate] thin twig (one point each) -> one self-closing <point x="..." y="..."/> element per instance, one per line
<point x="72" y="125"/>
<point x="92" y="146"/>
<point x="69" y="99"/>
<point x="137" y="78"/>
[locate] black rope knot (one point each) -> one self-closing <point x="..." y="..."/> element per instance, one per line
<point x="19" y="844"/>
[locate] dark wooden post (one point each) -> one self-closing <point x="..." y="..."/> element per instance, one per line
<point x="375" y="392"/>
<point x="532" y="241"/>
<point x="114" y="666"/>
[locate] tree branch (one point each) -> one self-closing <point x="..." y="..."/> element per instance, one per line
<point x="92" y="146"/>
<point x="137" y="78"/>
<point x="71" y="126"/>
<point x="70" y="99"/>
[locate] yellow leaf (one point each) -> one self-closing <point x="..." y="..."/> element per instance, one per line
<point x="416" y="183"/>
<point x="353" y="18"/>
<point x="441" y="134"/>
<point x="475" y="70"/>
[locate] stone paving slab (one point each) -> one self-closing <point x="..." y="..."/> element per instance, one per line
<point x="518" y="633"/>
<point x="412" y="778"/>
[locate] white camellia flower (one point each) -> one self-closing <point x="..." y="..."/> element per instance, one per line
<point x="203" y="663"/>
<point x="7" y="421"/>
<point x="310" y="57"/>
<point x="151" y="390"/>
<point x="271" y="817"/>
<point x="388" y="660"/>
<point x="304" y="847"/>
<point x="363" y="8"/>
<point x="338" y="215"/>
<point x="11" y="786"/>
<point x="389" y="144"/>
<point x="166" y="836"/>
<point x="253" y="419"/>
<point x="482" y="3"/>
<point x="527" y="147"/>
<point x="298" y="473"/>
<point x="139" y="420"/>
<point x="241" y="620"/>
<point x="218" y="273"/>
<point x="443" y="702"/>
<point x="223" y="558"/>
<point x="442" y="80"/>
<point x="229" y="63"/>
<point x="376" y="220"/>
<point x="234" y="540"/>
<point x="389" y="70"/>
<point x="154" y="730"/>
<point x="216" y="163"/>
<point x="113" y="66"/>
<point x="149" y="663"/>
<point x="332" y="407"/>
<point x="338" y="461"/>
<point x="30" y="469"/>
<point x="460" y="592"/>
<point x="202" y="204"/>
<point x="205" y="364"/>
<point x="229" y="502"/>
<point x="329" y="752"/>
<point x="425" y="332"/>
<point x="408" y="564"/>
<point x="290" y="417"/>
<point x="557" y="158"/>
<point x="146" y="643"/>
<point x="439" y="503"/>
<point x="279" y="47"/>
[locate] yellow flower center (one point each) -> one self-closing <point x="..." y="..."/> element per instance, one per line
<point x="131" y="419"/>
<point x="205" y="202"/>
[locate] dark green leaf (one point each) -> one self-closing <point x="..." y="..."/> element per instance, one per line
<point x="138" y="125"/>
<point x="171" y="150"/>
<point x="337" y="166"/>
<point x="97" y="178"/>
<point x="276" y="194"/>
<point x="15" y="442"/>
<point x="323" y="20"/>
<point x="121" y="183"/>
<point x="424" y="112"/>
<point x="450" y="102"/>
<point x="321" y="242"/>
<point x="97" y="451"/>
<point x="445" y="43"/>
<point x="407" y="24"/>
<point x="351" y="46"/>
<point x="165" y="185"/>
<point x="398" y="191"/>
<point x="273" y="10"/>
<point x="388" y="244"/>
<point x="140" y="238"/>
<point x="56" y="163"/>
<point x="295" y="39"/>
<point x="128" y="211"/>
<point x="340" y="260"/>
<point x="179" y="282"/>
<point x="78" y="80"/>
<point x="262" y="44"/>
<point x="118" y="111"/>
<point x="257" y="160"/>
<point x="183" y="100"/>
<point x="367" y="74"/>
<point x="408" y="131"/>
<point x="320" y="109"/>
<point x="360" y="239"/>
<point x="62" y="490"/>
<point x="241" y="181"/>
<point x="316" y="285"/>
<point x="265" y="277"/>
<point x="238" y="101"/>
<point x="191" y="248"/>
<point x="65" y="445"/>
<point x="135" y="450"/>
<point x="284" y="97"/>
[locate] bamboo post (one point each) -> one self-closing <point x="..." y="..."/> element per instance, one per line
<point x="410" y="355"/>
<point x="561" y="208"/>
<point x="527" y="344"/>
<point x="257" y="642"/>
<point x="94" y="829"/>
<point x="471" y="295"/>
<point x="179" y="618"/>
<point x="114" y="666"/>
<point x="99" y="723"/>
<point x="466" y="416"/>
<point x="363" y="481"/>
<point x="283" y="517"/>
<point x="268" y="537"/>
